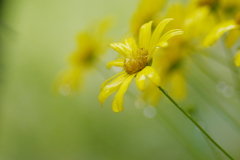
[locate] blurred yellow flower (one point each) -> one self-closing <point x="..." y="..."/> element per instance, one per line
<point x="136" y="63"/>
<point x="90" y="45"/>
<point x="219" y="30"/>
<point x="147" y="11"/>
<point x="170" y="62"/>
<point x="231" y="26"/>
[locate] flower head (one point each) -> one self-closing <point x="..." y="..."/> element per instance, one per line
<point x="147" y="10"/>
<point x="136" y="62"/>
<point x="90" y="45"/>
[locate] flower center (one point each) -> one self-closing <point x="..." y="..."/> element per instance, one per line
<point x="136" y="62"/>
<point x="210" y="3"/>
<point x="237" y="18"/>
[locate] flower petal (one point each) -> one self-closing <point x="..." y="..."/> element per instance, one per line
<point x="118" y="101"/>
<point x="131" y="43"/>
<point x="121" y="48"/>
<point x="152" y="74"/>
<point x="218" y="31"/>
<point x="141" y="81"/>
<point x="145" y="35"/>
<point x="163" y="40"/>
<point x="237" y="59"/>
<point x="232" y="37"/>
<point x="108" y="80"/>
<point x="118" y="63"/>
<point x="111" y="88"/>
<point x="157" y="32"/>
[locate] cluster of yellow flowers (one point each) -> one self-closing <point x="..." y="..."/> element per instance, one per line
<point x="163" y="36"/>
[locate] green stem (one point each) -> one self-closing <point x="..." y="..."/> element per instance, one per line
<point x="196" y="124"/>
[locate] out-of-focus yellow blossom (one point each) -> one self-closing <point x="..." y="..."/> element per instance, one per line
<point x="228" y="8"/>
<point x="170" y="62"/>
<point x="229" y="25"/>
<point x="147" y="11"/>
<point x="233" y="26"/>
<point x="90" y="46"/>
<point x="136" y="63"/>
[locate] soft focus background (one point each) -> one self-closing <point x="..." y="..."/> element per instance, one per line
<point x="37" y="123"/>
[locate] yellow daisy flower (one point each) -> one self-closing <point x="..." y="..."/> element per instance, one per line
<point x="90" y="45"/>
<point x="146" y="11"/>
<point x="136" y="63"/>
<point x="169" y="63"/>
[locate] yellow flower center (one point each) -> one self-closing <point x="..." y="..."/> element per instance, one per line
<point x="207" y="2"/>
<point x="237" y="18"/>
<point x="136" y="62"/>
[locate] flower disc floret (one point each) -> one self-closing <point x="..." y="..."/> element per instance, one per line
<point x="136" y="62"/>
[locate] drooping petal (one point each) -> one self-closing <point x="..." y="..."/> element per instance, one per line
<point x="145" y="35"/>
<point x="131" y="43"/>
<point x="232" y="37"/>
<point x="163" y="40"/>
<point x="157" y="32"/>
<point x="121" y="48"/>
<point x="141" y="81"/>
<point x="108" y="80"/>
<point x="118" y="63"/>
<point x="218" y="31"/>
<point x="237" y="59"/>
<point x="152" y="74"/>
<point x="118" y="101"/>
<point x="111" y="87"/>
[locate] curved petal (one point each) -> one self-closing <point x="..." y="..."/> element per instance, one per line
<point x="108" y="80"/>
<point x="131" y="43"/>
<point x="232" y="37"/>
<point x="121" y="48"/>
<point x="118" y="63"/>
<point x="218" y="31"/>
<point x="157" y="32"/>
<point x="237" y="59"/>
<point x="145" y="35"/>
<point x="141" y="81"/>
<point x="152" y="74"/>
<point x="163" y="40"/>
<point x="111" y="88"/>
<point x="118" y="101"/>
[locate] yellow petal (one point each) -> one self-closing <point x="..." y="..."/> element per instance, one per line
<point x="111" y="87"/>
<point x="218" y="31"/>
<point x="232" y="37"/>
<point x="157" y="32"/>
<point x="141" y="81"/>
<point x="108" y="80"/>
<point x="117" y="104"/>
<point x="237" y="59"/>
<point x="152" y="74"/>
<point x="118" y="63"/>
<point x="177" y="85"/>
<point x="145" y="35"/>
<point x="163" y="40"/>
<point x="131" y="43"/>
<point x="121" y="48"/>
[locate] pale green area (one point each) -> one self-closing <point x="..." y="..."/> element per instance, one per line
<point x="37" y="124"/>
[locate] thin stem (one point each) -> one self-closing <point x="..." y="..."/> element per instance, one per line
<point x="196" y="124"/>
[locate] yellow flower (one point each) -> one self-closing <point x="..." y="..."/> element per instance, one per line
<point x="146" y="11"/>
<point x="219" y="30"/>
<point x="136" y="63"/>
<point x="170" y="62"/>
<point x="90" y="45"/>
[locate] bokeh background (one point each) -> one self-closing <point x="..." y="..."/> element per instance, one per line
<point x="37" y="123"/>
